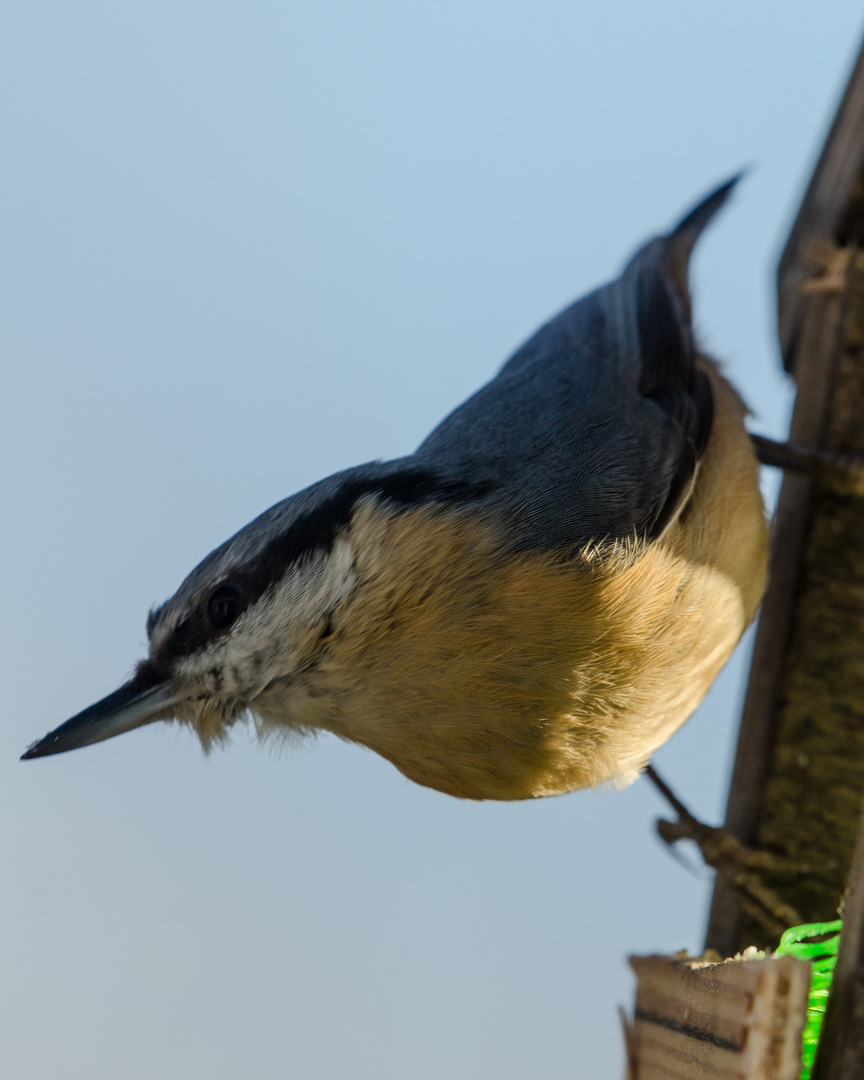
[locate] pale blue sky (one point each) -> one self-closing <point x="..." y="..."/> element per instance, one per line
<point x="243" y="246"/>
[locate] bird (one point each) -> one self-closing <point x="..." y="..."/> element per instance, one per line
<point x="531" y="603"/>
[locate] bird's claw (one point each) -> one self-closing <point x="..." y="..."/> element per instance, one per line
<point x="740" y="865"/>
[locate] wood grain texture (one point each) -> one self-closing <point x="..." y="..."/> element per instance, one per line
<point x="736" y="1020"/>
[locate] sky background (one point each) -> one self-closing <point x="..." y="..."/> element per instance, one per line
<point x="244" y="245"/>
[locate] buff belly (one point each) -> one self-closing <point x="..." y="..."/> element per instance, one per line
<point x="537" y="676"/>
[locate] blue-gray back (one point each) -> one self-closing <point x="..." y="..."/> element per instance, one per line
<point x="594" y="428"/>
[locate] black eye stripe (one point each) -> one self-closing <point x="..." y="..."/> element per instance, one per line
<point x="204" y="625"/>
<point x="317" y="530"/>
<point x="311" y="533"/>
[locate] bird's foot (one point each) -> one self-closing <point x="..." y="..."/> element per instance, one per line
<point x="740" y="865"/>
<point x="842" y="472"/>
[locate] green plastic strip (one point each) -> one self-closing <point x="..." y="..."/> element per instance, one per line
<point x="822" y="956"/>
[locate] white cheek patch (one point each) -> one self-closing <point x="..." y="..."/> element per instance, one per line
<point x="273" y="636"/>
<point x="306" y="597"/>
<point x="340" y="573"/>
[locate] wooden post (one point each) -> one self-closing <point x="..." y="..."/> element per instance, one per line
<point x="798" y="779"/>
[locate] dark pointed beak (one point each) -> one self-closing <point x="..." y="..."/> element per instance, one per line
<point x="125" y="709"/>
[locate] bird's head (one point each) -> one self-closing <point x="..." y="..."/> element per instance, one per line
<point x="249" y="617"/>
<point x="253" y="619"/>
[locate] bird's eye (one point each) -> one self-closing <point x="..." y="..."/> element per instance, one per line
<point x="224" y="606"/>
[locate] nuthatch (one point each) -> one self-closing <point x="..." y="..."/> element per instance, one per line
<point x="529" y="604"/>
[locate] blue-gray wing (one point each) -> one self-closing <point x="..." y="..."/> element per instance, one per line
<point x="594" y="428"/>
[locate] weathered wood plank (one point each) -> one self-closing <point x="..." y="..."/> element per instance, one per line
<point x="736" y="1020"/>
